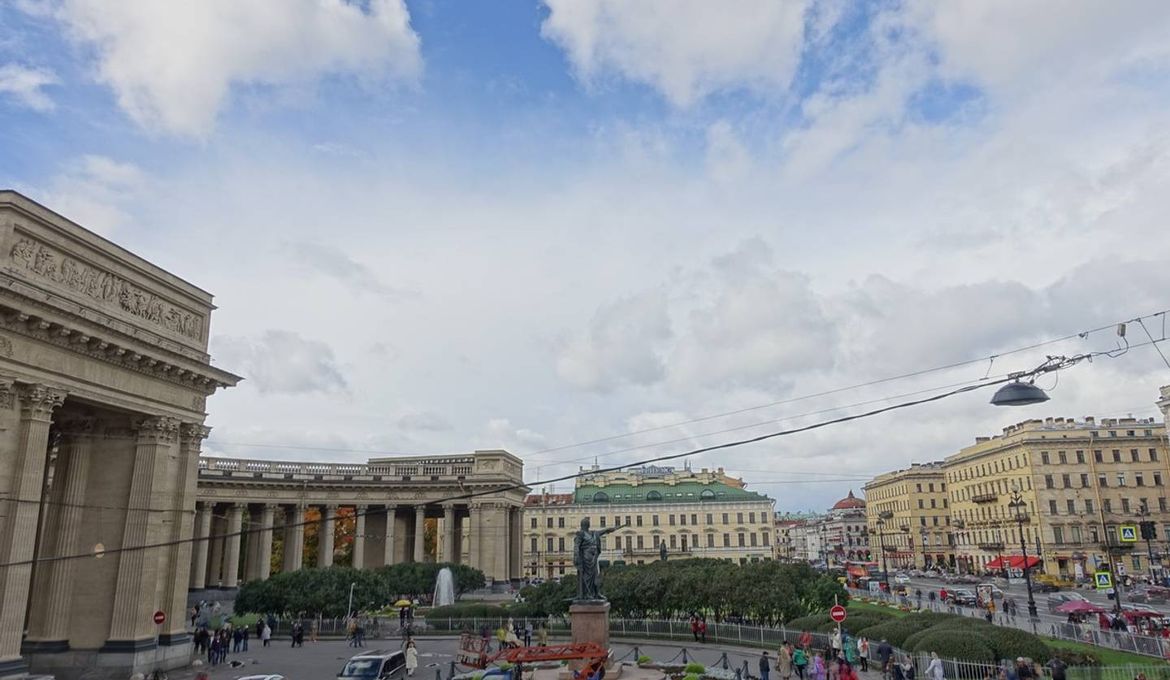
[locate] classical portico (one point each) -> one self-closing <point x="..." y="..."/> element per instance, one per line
<point x="259" y="503"/>
<point x="104" y="374"/>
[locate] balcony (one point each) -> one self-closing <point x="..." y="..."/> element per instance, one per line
<point x="990" y="497"/>
<point x="991" y="547"/>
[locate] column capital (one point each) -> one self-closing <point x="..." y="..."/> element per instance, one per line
<point x="191" y="435"/>
<point x="7" y="391"/>
<point x="37" y="402"/>
<point x="157" y="429"/>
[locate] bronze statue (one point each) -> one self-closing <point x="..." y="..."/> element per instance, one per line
<point x="586" y="549"/>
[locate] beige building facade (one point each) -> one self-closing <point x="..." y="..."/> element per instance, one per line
<point x="1078" y="481"/>
<point x="246" y="507"/>
<point x="691" y="513"/>
<point x="104" y="376"/>
<point x="909" y="518"/>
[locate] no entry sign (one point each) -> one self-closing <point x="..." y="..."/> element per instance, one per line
<point x="160" y="617"/>
<point x="837" y="613"/>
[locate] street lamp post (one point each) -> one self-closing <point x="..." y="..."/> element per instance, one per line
<point x="881" y="525"/>
<point x="922" y="535"/>
<point x="1147" y="533"/>
<point x="1017" y="503"/>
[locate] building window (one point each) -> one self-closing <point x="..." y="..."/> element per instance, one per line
<point x="560" y="522"/>
<point x="639" y="542"/>
<point x="1157" y="479"/>
<point x="1044" y="457"/>
<point x="741" y="540"/>
<point x="534" y="525"/>
<point x="657" y="540"/>
<point x="1120" y="479"/>
<point x="1057" y="534"/>
<point x="550" y="522"/>
<point x="1048" y="482"/>
<point x="725" y="518"/>
<point x="1084" y="480"/>
<point x="1097" y="455"/>
<point x="601" y="521"/>
<point x="1153" y="455"/>
<point x="920" y="504"/>
<point x="535" y="544"/>
<point x="1072" y="506"/>
<point x="1065" y="481"/>
<point x="710" y="540"/>
<point x="561" y="544"/>
<point x="765" y="537"/>
<point x="670" y="520"/>
<point x="726" y="540"/>
<point x="1106" y="505"/>
<point x="1060" y="455"/>
<point x="1102" y="481"/>
<point x="550" y="544"/>
<point x="629" y="543"/>
<point x="1081" y="457"/>
<point x="933" y="503"/>
<point x="682" y="519"/>
<point x="1162" y="504"/>
<point x="653" y="496"/>
<point x="1139" y="480"/>
<point x="654" y="520"/>
<point x="673" y="541"/>
<point x="1125" y="505"/>
<point x="918" y="488"/>
<point x="739" y="518"/>
<point x="1052" y="507"/>
<point x="1116" y="455"/>
<point x="1089" y="506"/>
<point x="710" y="519"/>
<point x="601" y="497"/>
<point x="1134" y="457"/>
<point x="1076" y="534"/>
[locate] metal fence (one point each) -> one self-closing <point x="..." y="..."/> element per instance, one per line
<point x="1087" y="633"/>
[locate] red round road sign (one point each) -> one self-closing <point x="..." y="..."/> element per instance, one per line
<point x="837" y="613"/>
<point x="160" y="617"/>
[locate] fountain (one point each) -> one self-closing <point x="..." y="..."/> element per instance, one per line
<point x="444" y="588"/>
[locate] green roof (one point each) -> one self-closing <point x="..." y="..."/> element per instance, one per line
<point x="683" y="492"/>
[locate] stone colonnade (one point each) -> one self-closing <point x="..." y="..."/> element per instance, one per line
<point x="111" y="480"/>
<point x="239" y="538"/>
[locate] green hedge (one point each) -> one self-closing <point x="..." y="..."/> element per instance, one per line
<point x="955" y="644"/>
<point x="1011" y="643"/>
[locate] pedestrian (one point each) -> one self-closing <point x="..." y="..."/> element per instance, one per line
<point x="819" y="670"/>
<point x="885" y="651"/>
<point x="360" y="632"/>
<point x="863" y="653"/>
<point x="800" y="661"/>
<point x="695" y="627"/>
<point x="784" y="661"/>
<point x="313" y="629"/>
<point x="703" y="630"/>
<point x="411" y="658"/>
<point x="935" y="670"/>
<point x="931" y="597"/>
<point x="542" y="636"/>
<point x="265" y="635"/>
<point x="527" y="633"/>
<point x="237" y="640"/>
<point x="836" y="642"/>
<point x="918" y="594"/>
<point x="1056" y="668"/>
<point x="244" y="635"/>
<point x="351" y="632"/>
<point x="764" y="666"/>
<point x="908" y="668"/>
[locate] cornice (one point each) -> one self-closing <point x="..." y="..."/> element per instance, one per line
<point x="75" y="335"/>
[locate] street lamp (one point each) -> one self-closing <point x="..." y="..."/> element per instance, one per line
<point x="1147" y="533"/>
<point x="1017" y="504"/>
<point x="922" y="534"/>
<point x="881" y="525"/>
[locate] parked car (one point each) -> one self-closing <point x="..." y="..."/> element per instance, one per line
<point x="1148" y="595"/>
<point x="1060" y="598"/>
<point x="962" y="596"/>
<point x="379" y="664"/>
<point x="931" y="573"/>
<point x="901" y="578"/>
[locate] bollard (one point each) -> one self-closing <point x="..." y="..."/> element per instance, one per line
<point x="438" y="674"/>
<point x="637" y="654"/>
<point x="737" y="675"/>
<point x="685" y="660"/>
<point x="451" y="671"/>
<point x="723" y="661"/>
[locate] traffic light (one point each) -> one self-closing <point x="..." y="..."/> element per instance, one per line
<point x="1149" y="530"/>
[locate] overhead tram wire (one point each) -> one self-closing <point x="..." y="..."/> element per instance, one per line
<point x="1053" y="364"/>
<point x="1081" y="334"/>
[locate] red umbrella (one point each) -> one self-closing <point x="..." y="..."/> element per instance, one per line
<point x="1079" y="607"/>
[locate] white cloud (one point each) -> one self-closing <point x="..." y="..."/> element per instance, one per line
<point x="282" y="362"/>
<point x="332" y="262"/>
<point x="621" y="345"/>
<point x="26" y="86"/>
<point x="428" y="421"/>
<point x="94" y="190"/>
<point x="686" y="49"/>
<point x="173" y="66"/>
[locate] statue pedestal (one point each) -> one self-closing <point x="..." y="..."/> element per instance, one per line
<point x="589" y="622"/>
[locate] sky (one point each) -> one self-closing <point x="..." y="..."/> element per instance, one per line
<point x="600" y="231"/>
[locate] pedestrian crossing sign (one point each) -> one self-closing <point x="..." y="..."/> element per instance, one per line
<point x="1128" y="533"/>
<point x="1104" y="580"/>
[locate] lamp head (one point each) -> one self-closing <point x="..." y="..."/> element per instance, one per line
<point x="1018" y="393"/>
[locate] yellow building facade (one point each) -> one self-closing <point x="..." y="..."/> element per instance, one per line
<point x="703" y="513"/>
<point x="908" y="517"/>
<point x="1076" y="480"/>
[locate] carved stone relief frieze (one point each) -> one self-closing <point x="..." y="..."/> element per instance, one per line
<point x="49" y="264"/>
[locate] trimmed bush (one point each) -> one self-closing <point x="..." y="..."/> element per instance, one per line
<point x="690" y="676"/>
<point x="643" y="660"/>
<point x="806" y="622"/>
<point x="694" y="668"/>
<point x="1011" y="643"/>
<point x="898" y="630"/>
<point x="951" y="643"/>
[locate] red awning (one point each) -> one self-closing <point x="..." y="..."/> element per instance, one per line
<point x="1013" y="562"/>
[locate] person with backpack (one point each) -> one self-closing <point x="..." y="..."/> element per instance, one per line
<point x="800" y="661"/>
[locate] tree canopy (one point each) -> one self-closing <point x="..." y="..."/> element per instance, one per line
<point x="326" y="591"/>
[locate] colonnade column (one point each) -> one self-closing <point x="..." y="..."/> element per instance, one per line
<point x="420" y="519"/>
<point x="325" y="536"/>
<point x="231" y="558"/>
<point x="359" y="538"/>
<point x="200" y="548"/>
<point x="449" y="521"/>
<point x="474" y="525"/>
<point x="388" y="547"/>
<point x="49" y="616"/>
<point x="174" y="599"/>
<point x="131" y="628"/>
<point x="264" y="536"/>
<point x="515" y="544"/>
<point x="18" y="533"/>
<point x="215" y="546"/>
<point x="294" y="537"/>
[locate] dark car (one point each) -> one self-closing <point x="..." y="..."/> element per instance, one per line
<point x="375" y="665"/>
<point x="962" y="596"/>
<point x="1064" y="598"/>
